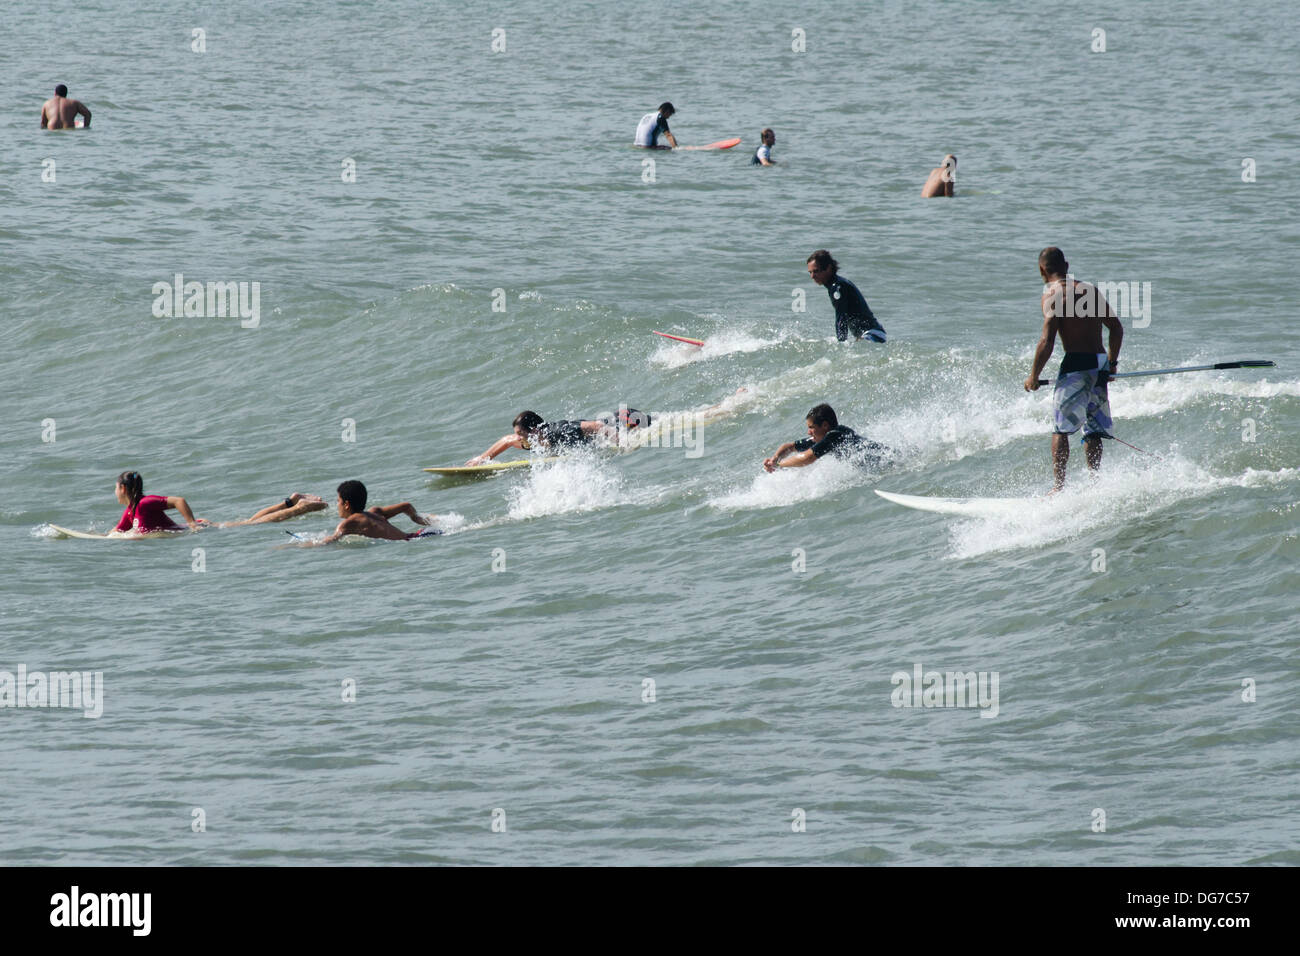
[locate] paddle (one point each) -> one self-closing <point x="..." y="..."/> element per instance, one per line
<point x="1245" y="363"/>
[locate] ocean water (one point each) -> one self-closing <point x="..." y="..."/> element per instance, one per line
<point x="1125" y="620"/>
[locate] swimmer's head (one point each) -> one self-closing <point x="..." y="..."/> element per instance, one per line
<point x="130" y="488"/>
<point x="950" y="161"/>
<point x="60" y="90"/>
<point x="822" y="267"/>
<point x="525" y="424"/>
<point x="666" y="110"/>
<point x="1051" y="262"/>
<point x="820" y="419"/>
<point x="352" y="496"/>
<point x="768" y="137"/>
<point x="631" y="418"/>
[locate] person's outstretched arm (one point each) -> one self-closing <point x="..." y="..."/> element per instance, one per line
<point x="405" y="508"/>
<point x="771" y="463"/>
<point x="181" y="505"/>
<point x="798" y="459"/>
<point x="500" y="445"/>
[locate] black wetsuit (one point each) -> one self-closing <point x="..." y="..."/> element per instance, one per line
<point x="844" y="442"/>
<point x="635" y="419"/>
<point x="852" y="314"/>
<point x="561" y="435"/>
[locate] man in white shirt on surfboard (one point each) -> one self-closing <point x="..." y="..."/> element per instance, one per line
<point x="652" y="125"/>
<point x="1076" y="311"/>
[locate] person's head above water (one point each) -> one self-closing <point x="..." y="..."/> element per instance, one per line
<point x="950" y="160"/>
<point x="60" y="90"/>
<point x="768" y="137"/>
<point x="352" y="496"/>
<point x="526" y="423"/>
<point x="632" y="418"/>
<point x="820" y="419"/>
<point x="666" y="109"/>
<point x="130" y="488"/>
<point x="1051" y="262"/>
<point x="822" y="267"/>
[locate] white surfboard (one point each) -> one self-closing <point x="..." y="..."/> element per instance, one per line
<point x="966" y="507"/>
<point x="115" y="535"/>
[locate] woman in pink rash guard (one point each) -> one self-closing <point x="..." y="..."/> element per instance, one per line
<point x="145" y="513"/>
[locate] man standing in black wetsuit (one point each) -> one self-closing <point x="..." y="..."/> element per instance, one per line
<point x="852" y="314"/>
<point x="826" y="436"/>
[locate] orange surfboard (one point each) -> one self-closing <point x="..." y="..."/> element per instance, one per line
<point x="720" y="144"/>
<point x="679" y="338"/>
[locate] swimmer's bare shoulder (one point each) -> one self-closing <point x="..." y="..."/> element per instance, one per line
<point x="933" y="185"/>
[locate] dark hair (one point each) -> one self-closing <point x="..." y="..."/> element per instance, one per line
<point x="60" y="90"/>
<point x="823" y="259"/>
<point x="134" y="485"/>
<point x="668" y="108"/>
<point x="822" y="414"/>
<point x="632" y="418"/>
<point x="353" y="494"/>
<point x="1053" y="261"/>
<point x="527" y="421"/>
<point x="766" y="130"/>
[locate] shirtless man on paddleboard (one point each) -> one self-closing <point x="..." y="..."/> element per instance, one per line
<point x="1077" y="312"/>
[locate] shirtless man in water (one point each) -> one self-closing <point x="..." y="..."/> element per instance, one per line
<point x="59" y="112"/>
<point x="1076" y="311"/>
<point x="372" y="523"/>
<point x="943" y="179"/>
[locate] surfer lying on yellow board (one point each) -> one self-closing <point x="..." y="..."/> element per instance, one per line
<point x="531" y="429"/>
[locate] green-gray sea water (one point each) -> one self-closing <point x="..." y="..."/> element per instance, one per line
<point x="1143" y="627"/>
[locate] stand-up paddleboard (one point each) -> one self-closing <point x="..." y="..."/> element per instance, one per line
<point x="681" y="338"/>
<point x="115" y="535"/>
<point x="965" y="507"/>
<point x="720" y="144"/>
<point x="491" y="467"/>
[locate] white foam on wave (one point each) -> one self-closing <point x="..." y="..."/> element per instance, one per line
<point x="576" y="483"/>
<point x="1123" y="493"/>
<point x="450" y="522"/>
<point x="788" y="486"/>
<point x="971" y="413"/>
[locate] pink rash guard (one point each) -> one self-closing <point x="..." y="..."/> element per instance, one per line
<point x="149" y="514"/>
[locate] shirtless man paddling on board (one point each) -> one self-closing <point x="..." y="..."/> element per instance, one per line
<point x="1076" y="311"/>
